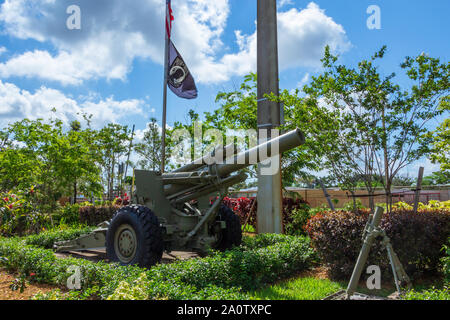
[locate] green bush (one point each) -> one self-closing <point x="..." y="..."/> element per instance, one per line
<point x="48" y="238"/>
<point x="416" y="238"/>
<point x="430" y="294"/>
<point x="350" y="206"/>
<point x="263" y="240"/>
<point x="219" y="276"/>
<point x="69" y="214"/>
<point x="243" y="267"/>
<point x="297" y="220"/>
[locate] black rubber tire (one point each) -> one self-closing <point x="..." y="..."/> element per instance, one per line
<point x="232" y="235"/>
<point x="150" y="245"/>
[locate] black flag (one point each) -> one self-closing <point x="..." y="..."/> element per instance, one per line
<point x="180" y="80"/>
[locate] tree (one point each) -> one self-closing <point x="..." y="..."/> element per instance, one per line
<point x="437" y="178"/>
<point x="440" y="150"/>
<point x="192" y="137"/>
<point x="82" y="161"/>
<point x="238" y="110"/>
<point x="407" y="112"/>
<point x="403" y="180"/>
<point x="4" y="141"/>
<point x="377" y="127"/>
<point x="112" y="142"/>
<point x="45" y="155"/>
<point x="150" y="149"/>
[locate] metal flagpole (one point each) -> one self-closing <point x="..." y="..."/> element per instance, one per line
<point x="166" y="71"/>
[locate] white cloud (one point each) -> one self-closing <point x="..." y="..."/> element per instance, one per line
<point x="16" y="104"/>
<point x="283" y="3"/>
<point x="304" y="34"/>
<point x="115" y="32"/>
<point x="302" y="37"/>
<point x="3" y="50"/>
<point x="304" y="81"/>
<point x="413" y="169"/>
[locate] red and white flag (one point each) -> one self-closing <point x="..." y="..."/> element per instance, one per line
<point x="169" y="18"/>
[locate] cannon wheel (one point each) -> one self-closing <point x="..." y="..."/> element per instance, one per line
<point x="232" y="235"/>
<point x="134" y="237"/>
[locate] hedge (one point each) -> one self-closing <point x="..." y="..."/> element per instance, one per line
<point x="430" y="294"/>
<point x="417" y="238"/>
<point x="94" y="215"/>
<point x="47" y="239"/>
<point x="218" y="276"/>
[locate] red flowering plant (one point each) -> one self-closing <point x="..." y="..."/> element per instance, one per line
<point x="9" y="207"/>
<point x="246" y="209"/>
<point x="122" y="201"/>
<point x="18" y="214"/>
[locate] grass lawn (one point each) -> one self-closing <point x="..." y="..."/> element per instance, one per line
<point x="315" y="285"/>
<point x="307" y="288"/>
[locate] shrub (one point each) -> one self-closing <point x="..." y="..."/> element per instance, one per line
<point x="402" y="206"/>
<point x="122" y="201"/>
<point x="446" y="261"/>
<point x="48" y="238"/>
<point x="145" y="288"/>
<point x="263" y="240"/>
<point x="69" y="214"/>
<point x="350" y="206"/>
<point x="297" y="220"/>
<point x="94" y="215"/>
<point x="219" y="276"/>
<point x="416" y="238"/>
<point x="19" y="214"/>
<point x="430" y="294"/>
<point x="242" y="207"/>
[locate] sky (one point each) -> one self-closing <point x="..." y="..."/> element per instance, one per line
<point x="112" y="66"/>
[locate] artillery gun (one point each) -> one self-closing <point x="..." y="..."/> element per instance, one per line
<point x="181" y="210"/>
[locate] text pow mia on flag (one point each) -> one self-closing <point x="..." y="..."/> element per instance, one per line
<point x="180" y="80"/>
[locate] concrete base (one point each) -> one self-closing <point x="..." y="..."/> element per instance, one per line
<point x="100" y="255"/>
<point x="342" y="295"/>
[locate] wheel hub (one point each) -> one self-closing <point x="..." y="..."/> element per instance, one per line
<point x="125" y="243"/>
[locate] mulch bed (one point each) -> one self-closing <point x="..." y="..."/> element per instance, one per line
<point x="31" y="288"/>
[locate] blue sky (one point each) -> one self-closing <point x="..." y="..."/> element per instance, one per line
<point x="112" y="67"/>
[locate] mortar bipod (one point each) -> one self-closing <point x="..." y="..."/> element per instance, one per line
<point x="371" y="232"/>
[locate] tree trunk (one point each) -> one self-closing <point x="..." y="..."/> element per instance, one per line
<point x="371" y="201"/>
<point x="75" y="192"/>
<point x="387" y="187"/>
<point x="111" y="196"/>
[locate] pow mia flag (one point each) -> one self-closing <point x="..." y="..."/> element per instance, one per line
<point x="180" y="80"/>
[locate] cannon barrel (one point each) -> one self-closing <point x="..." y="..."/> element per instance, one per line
<point x="177" y="181"/>
<point x="219" y="153"/>
<point x="262" y="152"/>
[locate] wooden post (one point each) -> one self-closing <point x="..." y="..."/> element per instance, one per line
<point x="418" y="188"/>
<point x="327" y="196"/>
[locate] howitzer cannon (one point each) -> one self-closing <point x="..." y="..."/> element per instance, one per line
<point x="174" y="211"/>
